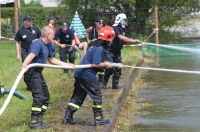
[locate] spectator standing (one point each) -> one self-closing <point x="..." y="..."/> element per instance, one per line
<point x="91" y="36"/>
<point x="51" y="21"/>
<point x="24" y="37"/>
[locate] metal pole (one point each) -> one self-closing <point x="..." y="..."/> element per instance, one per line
<point x="156" y="23"/>
<point x="16" y="15"/>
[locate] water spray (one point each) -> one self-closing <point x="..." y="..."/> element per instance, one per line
<point x="163" y="69"/>
<point x="175" y="47"/>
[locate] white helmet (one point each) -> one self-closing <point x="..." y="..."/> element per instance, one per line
<point x="120" y="18"/>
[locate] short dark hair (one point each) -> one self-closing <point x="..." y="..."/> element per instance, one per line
<point x="99" y="19"/>
<point x="62" y="23"/>
<point x="50" y="18"/>
<point x="27" y="18"/>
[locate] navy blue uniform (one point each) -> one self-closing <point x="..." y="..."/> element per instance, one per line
<point x="94" y="35"/>
<point x="35" y="78"/>
<point x="66" y="38"/>
<point x="26" y="36"/>
<point x="113" y="54"/>
<point x="86" y="81"/>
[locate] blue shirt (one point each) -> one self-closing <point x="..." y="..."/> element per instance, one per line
<point x="94" y="55"/>
<point x="41" y="51"/>
<point x="65" y="38"/>
<point x="117" y="44"/>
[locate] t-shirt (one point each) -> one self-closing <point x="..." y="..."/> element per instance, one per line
<point x="65" y="38"/>
<point x="94" y="55"/>
<point x="117" y="44"/>
<point x="93" y="34"/>
<point x="27" y="35"/>
<point x="41" y="51"/>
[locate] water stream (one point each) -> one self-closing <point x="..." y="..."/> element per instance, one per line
<point x="174" y="97"/>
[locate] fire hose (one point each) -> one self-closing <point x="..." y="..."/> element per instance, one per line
<point x="80" y="66"/>
<point x="35" y="65"/>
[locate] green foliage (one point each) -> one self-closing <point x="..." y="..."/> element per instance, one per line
<point x="22" y="3"/>
<point x="40" y="16"/>
<point x="33" y="3"/>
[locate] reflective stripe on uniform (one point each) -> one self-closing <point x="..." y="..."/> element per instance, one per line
<point x="96" y="106"/>
<point x="74" y="105"/>
<point x="102" y="73"/>
<point x="36" y="109"/>
<point x="44" y="107"/>
<point x="97" y="117"/>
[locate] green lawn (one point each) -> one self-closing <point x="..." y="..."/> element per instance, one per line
<point x="16" y="117"/>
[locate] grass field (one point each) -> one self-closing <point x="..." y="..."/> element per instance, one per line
<point x="17" y="115"/>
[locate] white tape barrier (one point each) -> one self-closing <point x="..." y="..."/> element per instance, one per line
<point x="35" y="65"/>
<point x="7" y="38"/>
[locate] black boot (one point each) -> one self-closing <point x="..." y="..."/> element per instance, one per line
<point x="101" y="76"/>
<point x="115" y="82"/>
<point x="66" y="71"/>
<point x="98" y="117"/>
<point x="40" y="119"/>
<point x="68" y="119"/>
<point x="36" y="122"/>
<point x="105" y="81"/>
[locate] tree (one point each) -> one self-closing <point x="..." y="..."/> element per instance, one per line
<point x="138" y="11"/>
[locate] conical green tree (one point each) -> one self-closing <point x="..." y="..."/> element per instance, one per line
<point x="77" y="25"/>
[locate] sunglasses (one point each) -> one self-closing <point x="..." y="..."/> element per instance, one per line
<point x="100" y="23"/>
<point x="64" y="26"/>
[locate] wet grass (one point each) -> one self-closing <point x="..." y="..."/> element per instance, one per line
<point x="17" y="115"/>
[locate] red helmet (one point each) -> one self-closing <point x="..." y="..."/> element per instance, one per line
<point x="106" y="33"/>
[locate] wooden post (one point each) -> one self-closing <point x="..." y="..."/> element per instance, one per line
<point x="16" y="15"/>
<point x="156" y="23"/>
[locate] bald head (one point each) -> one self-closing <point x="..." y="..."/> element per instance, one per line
<point x="45" y="31"/>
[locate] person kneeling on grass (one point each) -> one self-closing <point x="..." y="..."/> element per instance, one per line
<point x="86" y="81"/>
<point x="80" y="45"/>
<point x="39" y="52"/>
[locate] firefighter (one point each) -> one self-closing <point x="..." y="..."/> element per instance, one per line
<point x="86" y="81"/>
<point x="24" y="37"/>
<point x="91" y="36"/>
<point x="66" y="37"/>
<point x="113" y="52"/>
<point x="39" y="52"/>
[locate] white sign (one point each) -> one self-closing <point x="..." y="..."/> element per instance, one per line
<point x="6" y="1"/>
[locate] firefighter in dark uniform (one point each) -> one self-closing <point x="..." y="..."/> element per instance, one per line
<point x="86" y="81"/>
<point x="40" y="51"/>
<point x="66" y="37"/>
<point x="113" y="52"/>
<point x="91" y="36"/>
<point x="26" y="35"/>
